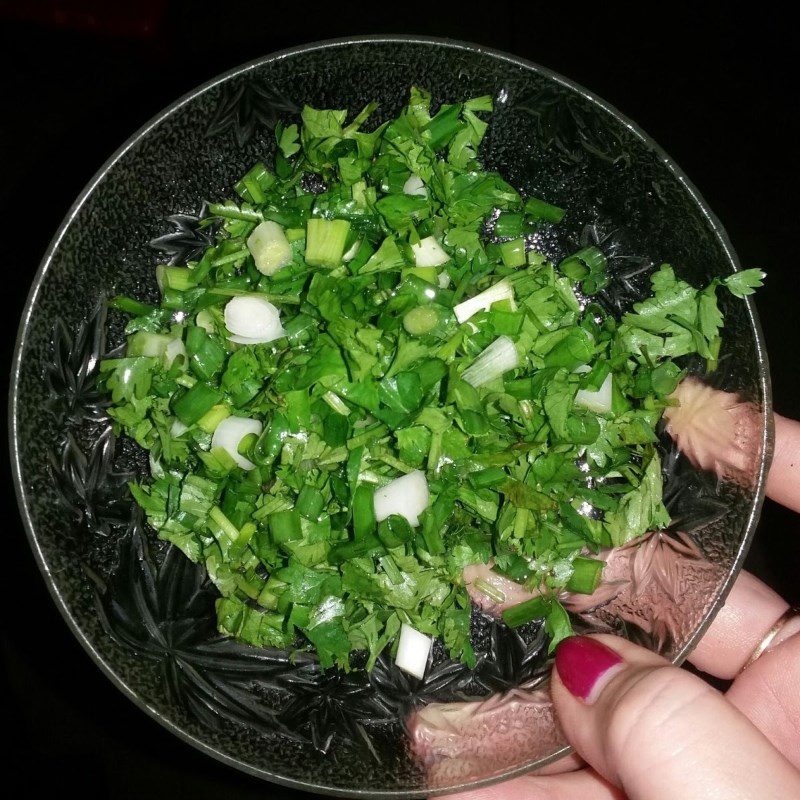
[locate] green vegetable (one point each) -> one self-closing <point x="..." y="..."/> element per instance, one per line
<point x="538" y="209"/>
<point x="513" y="253"/>
<point x="376" y="378"/>
<point x="196" y="402"/>
<point x="586" y="575"/>
<point x="556" y="619"/>
<point x="527" y="611"/>
<point x="325" y="240"/>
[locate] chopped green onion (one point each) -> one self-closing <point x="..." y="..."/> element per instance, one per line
<point x="413" y="651"/>
<point x="178" y="278"/>
<point x="421" y="320"/>
<point x="521" y="522"/>
<point x="509" y="225"/>
<point x="391" y="569"/>
<point x="230" y="210"/>
<point x="131" y="306"/>
<point x="247" y="443"/>
<point x="490" y="591"/>
<point x="199" y="400"/>
<point x="366" y="378"/>
<point x="187" y="381"/>
<point x="254" y="183"/>
<point x="145" y="343"/>
<point x="325" y="241"/>
<point x="336" y="403"/>
<point x="347" y="551"/>
<point x="513" y="252"/>
<point x="488" y="478"/>
<point x="300" y="329"/>
<point x="414" y="185"/>
<point x="583" y="262"/>
<point x="212" y="418"/>
<point x="429" y="253"/>
<point x="403" y="498"/>
<point x="363" y="511"/>
<point x="483" y="301"/>
<point x="394" y="531"/>
<point x="206" y="354"/>
<point x="227" y="527"/>
<point x="527" y="611"/>
<point x="237" y="549"/>
<point x="574" y="350"/>
<point x="497" y="359"/>
<point x="586" y="575"/>
<point x="443" y="126"/>
<point x="538" y="209"/>
<point x="231" y="258"/>
<point x="269" y="247"/>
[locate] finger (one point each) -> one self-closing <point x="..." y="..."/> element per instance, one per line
<point x="583" y="785"/>
<point x="783" y="481"/>
<point x="768" y="693"/>
<point x="658" y="732"/>
<point x="741" y="624"/>
<point x="569" y="763"/>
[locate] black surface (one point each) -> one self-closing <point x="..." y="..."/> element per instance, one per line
<point x="717" y="94"/>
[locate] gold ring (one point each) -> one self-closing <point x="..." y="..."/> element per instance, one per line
<point x="769" y="636"/>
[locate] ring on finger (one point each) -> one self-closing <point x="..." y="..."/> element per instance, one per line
<point x="769" y="636"/>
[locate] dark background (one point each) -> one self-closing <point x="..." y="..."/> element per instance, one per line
<point x="76" y="78"/>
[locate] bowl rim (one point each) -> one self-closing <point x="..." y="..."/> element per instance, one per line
<point x="766" y="428"/>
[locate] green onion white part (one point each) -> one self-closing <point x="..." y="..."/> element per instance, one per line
<point x="352" y="250"/>
<point x="230" y="432"/>
<point x="483" y="301"/>
<point x="497" y="359"/>
<point x="151" y="345"/>
<point x="205" y="320"/>
<point x="429" y="253"/>
<point x="252" y="320"/>
<point x="269" y="247"/>
<point x="407" y="496"/>
<point x="600" y="401"/>
<point x="178" y="428"/>
<point x="174" y="348"/>
<point x="415" y="187"/>
<point x="336" y="403"/>
<point x="413" y="651"/>
<point x="325" y="240"/>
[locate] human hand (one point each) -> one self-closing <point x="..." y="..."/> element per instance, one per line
<point x="650" y="731"/>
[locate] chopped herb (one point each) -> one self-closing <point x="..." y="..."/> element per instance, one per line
<point x="413" y="392"/>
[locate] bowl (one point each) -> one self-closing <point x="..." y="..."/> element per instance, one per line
<point x="144" y="613"/>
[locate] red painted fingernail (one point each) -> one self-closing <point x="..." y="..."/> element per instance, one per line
<point x="585" y="666"/>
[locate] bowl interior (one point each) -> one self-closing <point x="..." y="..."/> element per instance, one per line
<point x="109" y="575"/>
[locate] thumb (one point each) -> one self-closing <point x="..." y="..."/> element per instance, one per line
<point x="659" y="732"/>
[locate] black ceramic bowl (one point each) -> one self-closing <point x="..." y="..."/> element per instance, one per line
<point x="145" y="613"/>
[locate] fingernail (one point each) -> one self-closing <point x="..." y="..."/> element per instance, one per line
<point x="585" y="666"/>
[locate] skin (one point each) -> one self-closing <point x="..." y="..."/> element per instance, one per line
<point x="656" y="732"/>
<point x="784" y="476"/>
